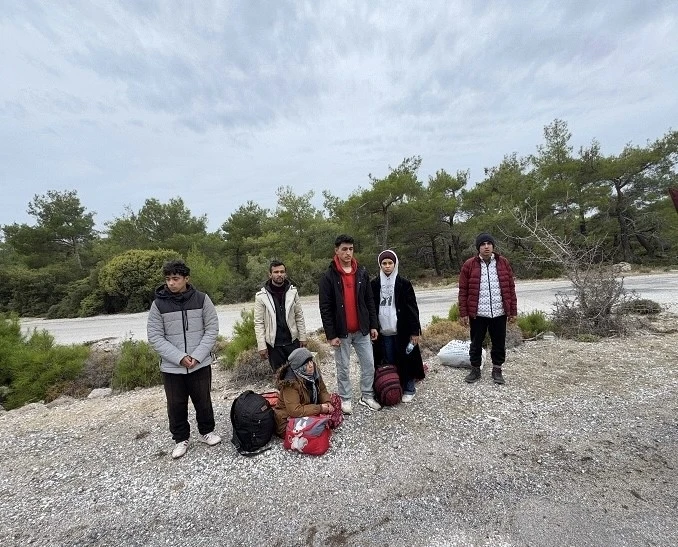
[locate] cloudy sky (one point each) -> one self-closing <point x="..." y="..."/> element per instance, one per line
<point x="224" y="102"/>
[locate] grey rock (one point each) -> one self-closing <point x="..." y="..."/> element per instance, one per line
<point x="100" y="392"/>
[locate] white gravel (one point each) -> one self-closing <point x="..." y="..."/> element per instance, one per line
<point x="579" y="448"/>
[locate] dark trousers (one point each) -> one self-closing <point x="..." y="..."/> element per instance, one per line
<point x="178" y="389"/>
<point x="496" y="326"/>
<point x="277" y="356"/>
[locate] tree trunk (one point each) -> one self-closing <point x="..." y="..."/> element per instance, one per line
<point x="436" y="261"/>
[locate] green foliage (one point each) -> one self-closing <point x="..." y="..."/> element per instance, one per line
<point x="61" y="233"/>
<point x="617" y="204"/>
<point x="157" y="226"/>
<point x="533" y="323"/>
<point x="37" y="364"/>
<point x="206" y="276"/>
<point x="133" y="277"/>
<point x="10" y="340"/>
<point x="138" y="366"/>
<point x="243" y="339"/>
<point x="31" y="292"/>
<point x="453" y="314"/>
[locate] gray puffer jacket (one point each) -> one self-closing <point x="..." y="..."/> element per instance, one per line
<point x="180" y="325"/>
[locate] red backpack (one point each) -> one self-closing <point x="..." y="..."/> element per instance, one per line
<point x="387" y="388"/>
<point x="308" y="435"/>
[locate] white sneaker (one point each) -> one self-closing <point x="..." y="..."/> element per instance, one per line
<point x="210" y="438"/>
<point x="346" y="407"/>
<point x="370" y="403"/>
<point x="180" y="449"/>
<point x="407" y="397"/>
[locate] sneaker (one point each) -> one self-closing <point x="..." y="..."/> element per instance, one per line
<point x="497" y="377"/>
<point x="473" y="376"/>
<point x="407" y="397"/>
<point x="180" y="449"/>
<point x="370" y="403"/>
<point x="346" y="407"/>
<point x="210" y="438"/>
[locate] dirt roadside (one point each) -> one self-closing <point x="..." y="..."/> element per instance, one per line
<point x="579" y="448"/>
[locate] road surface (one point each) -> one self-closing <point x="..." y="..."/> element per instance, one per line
<point x="532" y="295"/>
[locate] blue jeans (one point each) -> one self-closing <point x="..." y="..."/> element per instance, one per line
<point x="363" y="349"/>
<point x="389" y="344"/>
<point x="409" y="388"/>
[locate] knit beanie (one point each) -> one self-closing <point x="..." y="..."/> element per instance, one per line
<point x="298" y="358"/>
<point x="387" y="254"/>
<point x="483" y="238"/>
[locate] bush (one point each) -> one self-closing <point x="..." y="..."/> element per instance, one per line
<point x="640" y="306"/>
<point x="453" y="314"/>
<point x="10" y="340"/>
<point x="533" y="323"/>
<point x="205" y="276"/>
<point x="133" y="276"/>
<point x="440" y="332"/>
<point x="243" y="338"/>
<point x="38" y="365"/>
<point x="138" y="366"/>
<point x="250" y="368"/>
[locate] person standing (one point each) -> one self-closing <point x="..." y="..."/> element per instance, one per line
<point x="278" y="317"/>
<point x="183" y="327"/>
<point x="399" y="324"/>
<point x="349" y="318"/>
<point x="487" y="297"/>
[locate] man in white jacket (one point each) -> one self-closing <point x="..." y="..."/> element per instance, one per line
<point x="278" y="318"/>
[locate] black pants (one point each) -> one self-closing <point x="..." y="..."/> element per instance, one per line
<point x="178" y="388"/>
<point x="277" y="356"/>
<point x="497" y="329"/>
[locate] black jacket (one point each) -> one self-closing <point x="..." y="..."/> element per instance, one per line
<point x="331" y="300"/>
<point x="409" y="366"/>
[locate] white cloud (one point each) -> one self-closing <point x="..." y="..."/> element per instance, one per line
<point x="224" y="102"/>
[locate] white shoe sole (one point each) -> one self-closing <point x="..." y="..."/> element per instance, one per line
<point x="364" y="403"/>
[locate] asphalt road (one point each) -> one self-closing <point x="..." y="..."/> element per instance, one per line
<point x="532" y="295"/>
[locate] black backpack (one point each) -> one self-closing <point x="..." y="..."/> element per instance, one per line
<point x="253" y="423"/>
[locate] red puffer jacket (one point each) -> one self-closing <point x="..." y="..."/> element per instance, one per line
<point x="469" y="286"/>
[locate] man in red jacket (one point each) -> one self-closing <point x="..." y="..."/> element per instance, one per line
<point x="487" y="297"/>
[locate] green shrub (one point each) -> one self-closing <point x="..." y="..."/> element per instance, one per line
<point x="453" y="314"/>
<point x="205" y="276"/>
<point x="243" y="338"/>
<point x="533" y="323"/>
<point x="38" y="365"/>
<point x="133" y="277"/>
<point x="138" y="366"/>
<point x="10" y="340"/>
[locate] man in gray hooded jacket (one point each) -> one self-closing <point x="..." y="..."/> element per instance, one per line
<point x="183" y="327"/>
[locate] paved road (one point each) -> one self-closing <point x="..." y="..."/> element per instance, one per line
<point x="532" y="295"/>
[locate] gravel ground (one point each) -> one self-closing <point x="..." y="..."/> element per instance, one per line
<point x="579" y="448"/>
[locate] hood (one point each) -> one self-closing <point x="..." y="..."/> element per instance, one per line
<point x="163" y="292"/>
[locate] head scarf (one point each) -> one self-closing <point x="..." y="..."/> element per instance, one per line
<point x="297" y="360"/>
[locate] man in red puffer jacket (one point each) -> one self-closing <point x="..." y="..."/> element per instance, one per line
<point x="487" y="298"/>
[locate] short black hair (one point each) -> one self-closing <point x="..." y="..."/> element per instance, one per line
<point x="175" y="267"/>
<point x="275" y="264"/>
<point x="343" y="238"/>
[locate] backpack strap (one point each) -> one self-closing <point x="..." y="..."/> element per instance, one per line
<point x="252" y="454"/>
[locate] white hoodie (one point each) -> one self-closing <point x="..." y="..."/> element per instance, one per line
<point x="388" y="317"/>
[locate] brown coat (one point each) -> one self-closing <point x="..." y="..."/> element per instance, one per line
<point x="295" y="399"/>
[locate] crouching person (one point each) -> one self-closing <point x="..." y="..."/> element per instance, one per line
<point x="303" y="392"/>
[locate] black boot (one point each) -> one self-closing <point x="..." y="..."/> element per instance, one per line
<point x="496" y="376"/>
<point x="473" y="376"/>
